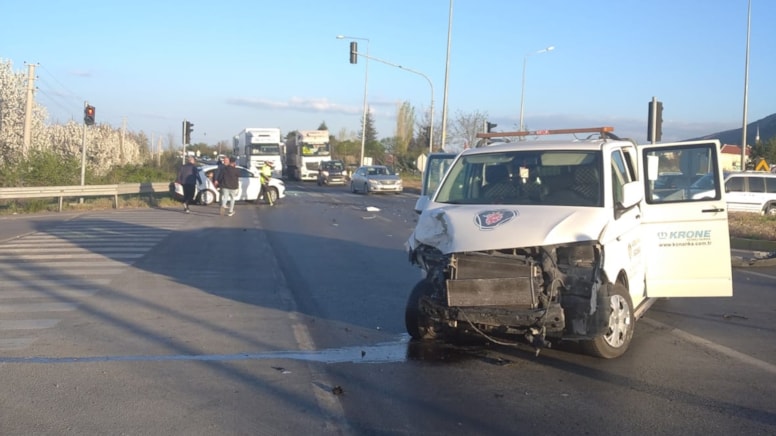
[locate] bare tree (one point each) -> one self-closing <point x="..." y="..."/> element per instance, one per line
<point x="466" y="126"/>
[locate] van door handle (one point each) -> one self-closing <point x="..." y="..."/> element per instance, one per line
<point x="713" y="210"/>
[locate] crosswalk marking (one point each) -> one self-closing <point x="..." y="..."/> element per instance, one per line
<point x="51" y="272"/>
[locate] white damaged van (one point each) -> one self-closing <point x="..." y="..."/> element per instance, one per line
<point x="547" y="240"/>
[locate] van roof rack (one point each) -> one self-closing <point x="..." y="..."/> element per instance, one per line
<point x="605" y="132"/>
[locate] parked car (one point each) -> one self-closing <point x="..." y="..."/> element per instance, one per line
<point x="331" y="173"/>
<point x="250" y="186"/>
<point x="375" y="178"/>
<point x="751" y="191"/>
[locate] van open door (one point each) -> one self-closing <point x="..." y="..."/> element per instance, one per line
<point x="436" y="165"/>
<point x="684" y="224"/>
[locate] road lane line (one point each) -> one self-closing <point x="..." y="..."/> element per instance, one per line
<point x="744" y="358"/>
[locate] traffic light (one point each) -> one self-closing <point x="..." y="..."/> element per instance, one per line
<point x="89" y="115"/>
<point x="353" y="52"/>
<point x="491" y="126"/>
<point x="659" y="122"/>
<point x="188" y="127"/>
<point x="655" y="119"/>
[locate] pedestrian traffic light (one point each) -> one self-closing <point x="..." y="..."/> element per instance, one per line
<point x="491" y="126"/>
<point x="655" y="121"/>
<point x="188" y="127"/>
<point x="353" y="52"/>
<point x="89" y="115"/>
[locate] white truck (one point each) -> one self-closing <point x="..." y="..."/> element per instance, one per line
<point x="546" y="240"/>
<point x="304" y="153"/>
<point x="256" y="145"/>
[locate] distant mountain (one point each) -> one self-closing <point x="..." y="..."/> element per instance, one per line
<point x="766" y="125"/>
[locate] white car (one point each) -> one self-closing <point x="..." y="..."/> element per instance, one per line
<point x="751" y="191"/>
<point x="375" y="178"/>
<point x="250" y="186"/>
<point x="542" y="241"/>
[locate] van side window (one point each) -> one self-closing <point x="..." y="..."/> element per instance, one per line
<point x="685" y="173"/>
<point x="620" y="176"/>
<point x="756" y="184"/>
<point x="735" y="184"/>
<point x="770" y="185"/>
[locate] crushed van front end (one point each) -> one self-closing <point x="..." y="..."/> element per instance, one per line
<point x="530" y="294"/>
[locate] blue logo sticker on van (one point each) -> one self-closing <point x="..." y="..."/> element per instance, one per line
<point x="490" y="219"/>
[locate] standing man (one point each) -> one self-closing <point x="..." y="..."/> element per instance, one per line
<point x="266" y="174"/>
<point x="229" y="182"/>
<point x="187" y="177"/>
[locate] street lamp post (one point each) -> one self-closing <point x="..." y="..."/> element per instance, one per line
<point x="431" y="85"/>
<point x="431" y="117"/>
<point x="366" y="80"/>
<point x="522" y="91"/>
<point x="746" y="87"/>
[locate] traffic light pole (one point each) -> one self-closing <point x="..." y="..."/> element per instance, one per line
<point x="183" y="136"/>
<point x="83" y="152"/>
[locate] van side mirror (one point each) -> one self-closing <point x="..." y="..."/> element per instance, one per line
<point x="631" y="194"/>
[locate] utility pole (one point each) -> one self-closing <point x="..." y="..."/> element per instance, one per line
<point x="447" y="74"/>
<point x="746" y="87"/>
<point x="28" y="109"/>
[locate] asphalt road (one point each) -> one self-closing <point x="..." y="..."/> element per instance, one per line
<point x="289" y="320"/>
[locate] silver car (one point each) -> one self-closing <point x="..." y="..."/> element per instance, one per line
<point x="375" y="178"/>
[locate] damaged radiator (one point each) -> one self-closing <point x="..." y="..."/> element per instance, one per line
<point x="480" y="279"/>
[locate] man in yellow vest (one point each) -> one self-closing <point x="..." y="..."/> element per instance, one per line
<point x="266" y="174"/>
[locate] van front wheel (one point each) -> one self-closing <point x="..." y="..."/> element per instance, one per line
<point x="619" y="330"/>
<point x="419" y="326"/>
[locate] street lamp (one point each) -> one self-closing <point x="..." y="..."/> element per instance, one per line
<point x="431" y="127"/>
<point x="746" y="87"/>
<point x="431" y="121"/>
<point x="522" y="91"/>
<point x="366" y="80"/>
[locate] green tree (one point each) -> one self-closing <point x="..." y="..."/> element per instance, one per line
<point x="372" y="146"/>
<point x="405" y="121"/>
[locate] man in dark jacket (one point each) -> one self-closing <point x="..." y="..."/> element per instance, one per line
<point x="187" y="177"/>
<point x="229" y="182"/>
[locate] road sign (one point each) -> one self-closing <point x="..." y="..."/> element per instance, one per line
<point x="420" y="163"/>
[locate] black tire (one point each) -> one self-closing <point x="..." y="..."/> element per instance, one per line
<point x="418" y="325"/>
<point x="206" y="197"/>
<point x="615" y="340"/>
<point x="352" y="187"/>
<point x="366" y="189"/>
<point x="272" y="193"/>
<point x="770" y="210"/>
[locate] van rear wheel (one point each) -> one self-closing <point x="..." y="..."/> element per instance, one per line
<point x="619" y="329"/>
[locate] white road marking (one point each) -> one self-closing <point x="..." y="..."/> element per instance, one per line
<point x="743" y="358"/>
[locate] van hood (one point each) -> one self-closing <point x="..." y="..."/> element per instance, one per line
<point x="457" y="228"/>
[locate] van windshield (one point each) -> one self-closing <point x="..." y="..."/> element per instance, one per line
<point x="557" y="177"/>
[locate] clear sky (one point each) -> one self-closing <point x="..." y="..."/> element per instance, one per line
<point x="227" y="65"/>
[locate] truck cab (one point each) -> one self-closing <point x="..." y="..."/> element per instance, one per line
<point x="550" y="240"/>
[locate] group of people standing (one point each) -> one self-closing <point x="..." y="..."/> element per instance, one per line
<point x="227" y="180"/>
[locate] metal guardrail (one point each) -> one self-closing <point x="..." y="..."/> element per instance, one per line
<point x="63" y="192"/>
